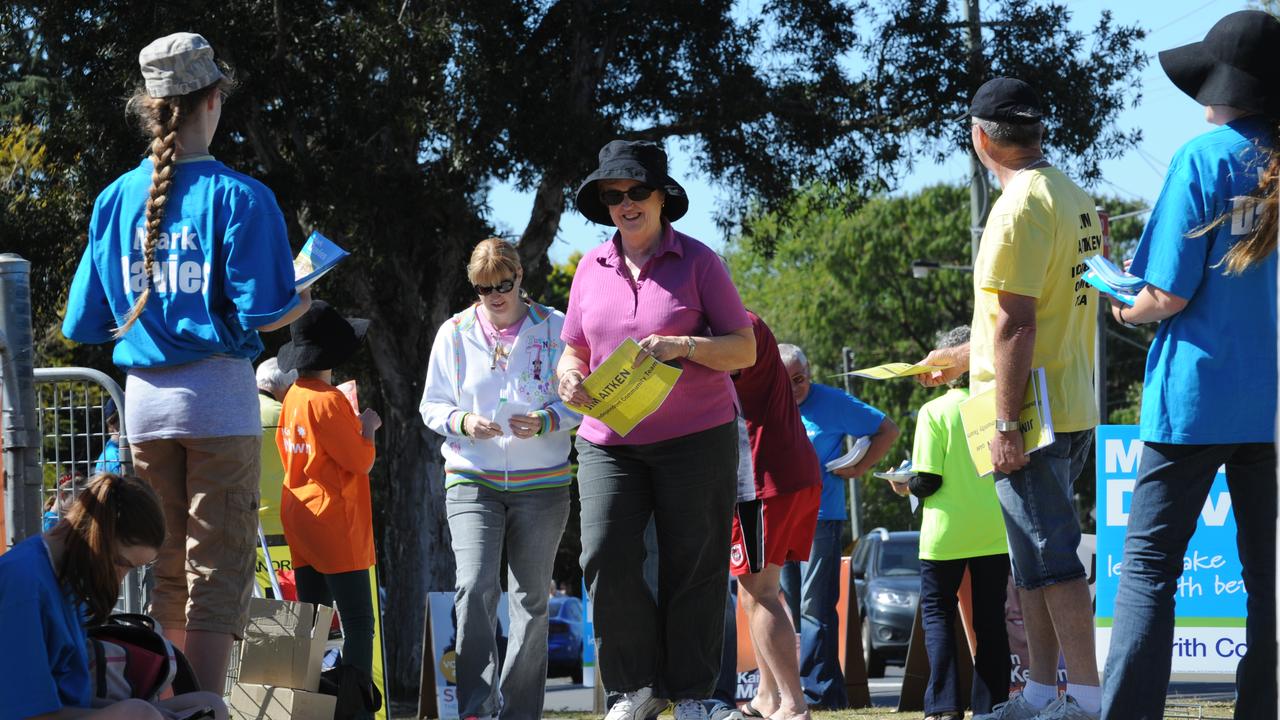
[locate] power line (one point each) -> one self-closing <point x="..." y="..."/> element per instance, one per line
<point x="1180" y="18"/>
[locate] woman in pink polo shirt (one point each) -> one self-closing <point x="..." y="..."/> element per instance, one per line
<point x="673" y="295"/>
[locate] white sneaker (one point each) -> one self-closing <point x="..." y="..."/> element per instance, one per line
<point x="1065" y="708"/>
<point x="727" y="713"/>
<point x="1015" y="709"/>
<point x="691" y="710"/>
<point x="639" y="705"/>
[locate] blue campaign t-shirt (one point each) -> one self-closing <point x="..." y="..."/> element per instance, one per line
<point x="1210" y="374"/>
<point x="44" y="666"/>
<point x="222" y="267"/>
<point x="829" y="415"/>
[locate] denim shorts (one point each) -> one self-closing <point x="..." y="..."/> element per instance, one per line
<point x="1039" y="514"/>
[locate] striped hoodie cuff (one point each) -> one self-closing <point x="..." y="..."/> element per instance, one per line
<point x="550" y="421"/>
<point x="458" y="422"/>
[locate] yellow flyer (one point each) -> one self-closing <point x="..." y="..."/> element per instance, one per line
<point x="623" y="395"/>
<point x="889" y="371"/>
<point x="978" y="416"/>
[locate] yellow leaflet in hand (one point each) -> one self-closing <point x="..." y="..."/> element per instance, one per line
<point x="889" y="371"/>
<point x="622" y="395"/>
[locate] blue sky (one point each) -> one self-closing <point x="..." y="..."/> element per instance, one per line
<point x="1166" y="116"/>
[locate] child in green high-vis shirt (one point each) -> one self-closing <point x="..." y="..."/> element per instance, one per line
<point x="962" y="529"/>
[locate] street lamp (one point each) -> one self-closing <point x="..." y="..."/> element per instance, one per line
<point x="922" y="268"/>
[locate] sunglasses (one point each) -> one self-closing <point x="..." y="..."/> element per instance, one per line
<point x="501" y="288"/>
<point x="639" y="193"/>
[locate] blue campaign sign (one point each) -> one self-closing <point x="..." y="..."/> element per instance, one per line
<point x="1210" y="598"/>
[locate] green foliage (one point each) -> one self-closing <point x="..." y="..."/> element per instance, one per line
<point x="837" y="280"/>
<point x="556" y="291"/>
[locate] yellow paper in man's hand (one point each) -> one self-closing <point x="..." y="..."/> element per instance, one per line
<point x="890" y="371"/>
<point x="623" y="395"/>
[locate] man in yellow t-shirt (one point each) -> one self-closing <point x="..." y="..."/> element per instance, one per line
<point x="1032" y="310"/>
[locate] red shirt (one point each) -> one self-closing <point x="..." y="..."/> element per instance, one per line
<point x="784" y="459"/>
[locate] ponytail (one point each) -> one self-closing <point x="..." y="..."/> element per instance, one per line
<point x="1262" y="242"/>
<point x="160" y="119"/>
<point x="110" y="513"/>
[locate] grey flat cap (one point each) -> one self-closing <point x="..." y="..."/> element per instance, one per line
<point x="178" y="64"/>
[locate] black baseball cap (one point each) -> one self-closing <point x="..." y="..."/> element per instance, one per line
<point x="1006" y="100"/>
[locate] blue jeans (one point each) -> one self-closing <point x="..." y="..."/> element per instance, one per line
<point x="1040" y="515"/>
<point x="1173" y="482"/>
<point x="815" y="587"/>
<point x="528" y="525"/>
<point x="939" y="582"/>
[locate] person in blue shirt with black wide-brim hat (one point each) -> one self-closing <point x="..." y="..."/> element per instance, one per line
<point x="1209" y="398"/>
<point x="187" y="261"/>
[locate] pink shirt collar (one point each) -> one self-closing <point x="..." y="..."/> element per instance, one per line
<point x="668" y="244"/>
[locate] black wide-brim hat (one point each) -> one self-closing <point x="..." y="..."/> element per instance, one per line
<point x="321" y="339"/>
<point x="1237" y="64"/>
<point x="639" y="160"/>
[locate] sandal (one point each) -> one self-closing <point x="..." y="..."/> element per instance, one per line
<point x="750" y="711"/>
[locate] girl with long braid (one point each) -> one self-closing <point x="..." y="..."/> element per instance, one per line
<point x="53" y="585"/>
<point x="187" y="261"/>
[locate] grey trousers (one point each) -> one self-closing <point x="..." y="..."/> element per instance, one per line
<point x="687" y="485"/>
<point x="529" y="525"/>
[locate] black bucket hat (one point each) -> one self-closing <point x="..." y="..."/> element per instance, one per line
<point x="1237" y="64"/>
<point x="321" y="339"/>
<point x="639" y="160"/>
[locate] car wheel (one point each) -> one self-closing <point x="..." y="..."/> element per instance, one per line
<point x="576" y="675"/>
<point x="873" y="660"/>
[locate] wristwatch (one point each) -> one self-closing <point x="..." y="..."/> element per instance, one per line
<point x="1006" y="425"/>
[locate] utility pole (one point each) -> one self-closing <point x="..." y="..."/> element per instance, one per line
<point x="847" y="355"/>
<point x="979" y="189"/>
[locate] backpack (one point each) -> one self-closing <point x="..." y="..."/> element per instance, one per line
<point x="130" y="658"/>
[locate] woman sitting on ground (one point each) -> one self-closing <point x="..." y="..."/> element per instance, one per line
<point x="53" y="586"/>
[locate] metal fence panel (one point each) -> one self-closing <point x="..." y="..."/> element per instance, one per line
<point x="74" y="429"/>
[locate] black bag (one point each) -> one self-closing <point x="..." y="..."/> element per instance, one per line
<point x="354" y="689"/>
<point x="130" y="658"/>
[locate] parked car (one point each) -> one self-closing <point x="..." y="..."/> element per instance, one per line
<point x="564" y="637"/>
<point x="886" y="576"/>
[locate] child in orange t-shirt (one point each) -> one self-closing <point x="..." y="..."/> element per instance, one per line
<point x="327" y="451"/>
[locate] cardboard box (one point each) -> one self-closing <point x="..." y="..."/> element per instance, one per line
<point x="263" y="702"/>
<point x="284" y="644"/>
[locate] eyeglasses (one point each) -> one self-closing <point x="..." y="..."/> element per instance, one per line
<point x="799" y="379"/>
<point x="501" y="288"/>
<point x="222" y="96"/>
<point x="639" y="193"/>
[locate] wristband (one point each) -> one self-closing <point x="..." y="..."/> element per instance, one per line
<point x="462" y="425"/>
<point x="1126" y="323"/>
<point x="692" y="346"/>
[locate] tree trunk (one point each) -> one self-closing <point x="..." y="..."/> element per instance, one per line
<point x="544" y="221"/>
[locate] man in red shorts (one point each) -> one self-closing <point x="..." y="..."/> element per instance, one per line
<point x="776" y="527"/>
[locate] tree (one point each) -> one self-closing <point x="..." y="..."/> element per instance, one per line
<point x="383" y="123"/>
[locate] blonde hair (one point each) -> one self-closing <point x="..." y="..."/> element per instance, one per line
<point x="491" y="259"/>
<point x="160" y="119"/>
<point x="1262" y="242"/>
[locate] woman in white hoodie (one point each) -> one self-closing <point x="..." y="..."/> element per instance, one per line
<point x="491" y="392"/>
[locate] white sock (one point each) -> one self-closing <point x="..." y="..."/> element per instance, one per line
<point x="1039" y="695"/>
<point x="1088" y="697"/>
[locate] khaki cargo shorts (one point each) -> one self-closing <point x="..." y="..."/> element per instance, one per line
<point x="209" y="490"/>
